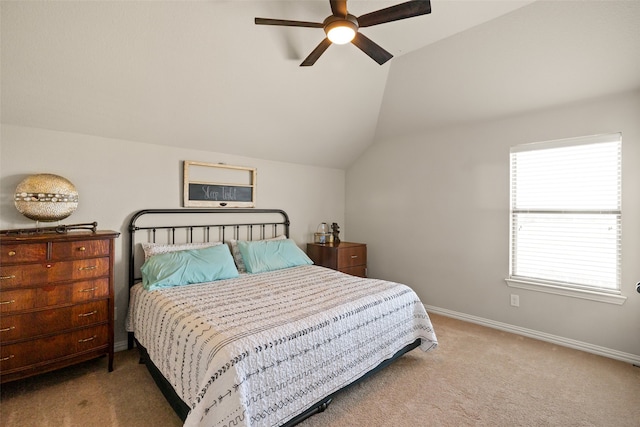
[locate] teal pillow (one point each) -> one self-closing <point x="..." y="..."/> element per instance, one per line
<point x="188" y="267"/>
<point x="268" y="255"/>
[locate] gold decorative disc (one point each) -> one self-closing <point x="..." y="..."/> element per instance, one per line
<point x="46" y="197"/>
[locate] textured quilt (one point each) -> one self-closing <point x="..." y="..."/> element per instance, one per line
<point x="260" y="349"/>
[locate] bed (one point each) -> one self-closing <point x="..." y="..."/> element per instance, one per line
<point x="272" y="339"/>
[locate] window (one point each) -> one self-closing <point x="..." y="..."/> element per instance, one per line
<point x="566" y="214"/>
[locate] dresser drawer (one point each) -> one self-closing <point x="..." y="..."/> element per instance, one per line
<point x="79" y="249"/>
<point x="46" y="296"/>
<point x="34" y="274"/>
<point x="49" y="295"/>
<point x="28" y="252"/>
<point x="353" y="256"/>
<point x="358" y="270"/>
<point x="90" y="338"/>
<point x="28" y="325"/>
<point x="90" y="289"/>
<point x="14" y="276"/>
<point x="347" y="257"/>
<point x="78" y="270"/>
<point x="16" y="356"/>
<point x="17" y="300"/>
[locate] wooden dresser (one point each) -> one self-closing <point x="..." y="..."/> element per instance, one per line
<point x="56" y="301"/>
<point x="350" y="258"/>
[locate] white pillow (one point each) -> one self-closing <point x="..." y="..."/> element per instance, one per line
<point x="237" y="256"/>
<point x="151" y="249"/>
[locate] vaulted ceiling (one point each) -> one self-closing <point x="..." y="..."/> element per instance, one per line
<point x="200" y="74"/>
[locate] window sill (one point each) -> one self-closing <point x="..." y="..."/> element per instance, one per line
<point x="568" y="292"/>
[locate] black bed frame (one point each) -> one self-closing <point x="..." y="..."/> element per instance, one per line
<point x="224" y="231"/>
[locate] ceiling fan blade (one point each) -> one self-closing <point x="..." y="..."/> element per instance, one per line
<point x="319" y="50"/>
<point x="394" y="13"/>
<point x="369" y="47"/>
<point x="339" y="8"/>
<point x="286" y="23"/>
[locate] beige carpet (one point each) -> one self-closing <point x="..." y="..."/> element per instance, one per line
<point x="477" y="377"/>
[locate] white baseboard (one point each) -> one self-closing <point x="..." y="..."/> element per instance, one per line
<point x="542" y="336"/>
<point x="120" y="345"/>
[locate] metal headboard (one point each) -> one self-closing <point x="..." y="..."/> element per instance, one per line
<point x="214" y="228"/>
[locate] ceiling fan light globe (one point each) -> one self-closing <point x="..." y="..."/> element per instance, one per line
<point x="341" y="30"/>
<point x="341" y="34"/>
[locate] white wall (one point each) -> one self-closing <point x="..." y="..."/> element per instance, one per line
<point x="115" y="178"/>
<point x="434" y="210"/>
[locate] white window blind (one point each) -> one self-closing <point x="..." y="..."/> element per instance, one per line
<point x="566" y="212"/>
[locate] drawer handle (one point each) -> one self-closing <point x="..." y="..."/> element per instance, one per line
<point x="91" y="313"/>
<point x="12" y="253"/>
<point x="82" y="249"/>
<point x="88" y="289"/>
<point x="7" y="302"/>
<point x="10" y="328"/>
<point x="11" y="356"/>
<point x="91" y="267"/>
<point x="11" y="276"/>
<point x="88" y="339"/>
<point x="354" y="256"/>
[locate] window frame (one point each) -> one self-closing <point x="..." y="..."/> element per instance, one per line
<point x="602" y="294"/>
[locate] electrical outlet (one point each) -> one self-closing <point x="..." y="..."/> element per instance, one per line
<point x="515" y="300"/>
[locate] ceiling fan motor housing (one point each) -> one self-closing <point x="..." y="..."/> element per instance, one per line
<point x="333" y="22"/>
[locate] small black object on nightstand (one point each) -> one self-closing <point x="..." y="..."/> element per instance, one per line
<point x="335" y="230"/>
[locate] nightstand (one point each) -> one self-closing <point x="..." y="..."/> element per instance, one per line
<point x="348" y="257"/>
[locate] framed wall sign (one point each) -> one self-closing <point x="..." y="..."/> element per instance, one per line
<point x="218" y="185"/>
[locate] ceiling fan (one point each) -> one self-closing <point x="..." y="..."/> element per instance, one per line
<point x="342" y="27"/>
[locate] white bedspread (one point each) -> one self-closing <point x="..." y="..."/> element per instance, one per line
<point x="262" y="348"/>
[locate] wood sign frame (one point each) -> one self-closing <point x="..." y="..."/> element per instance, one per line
<point x="218" y="185"/>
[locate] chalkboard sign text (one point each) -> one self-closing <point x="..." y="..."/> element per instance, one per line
<point x="221" y="193"/>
